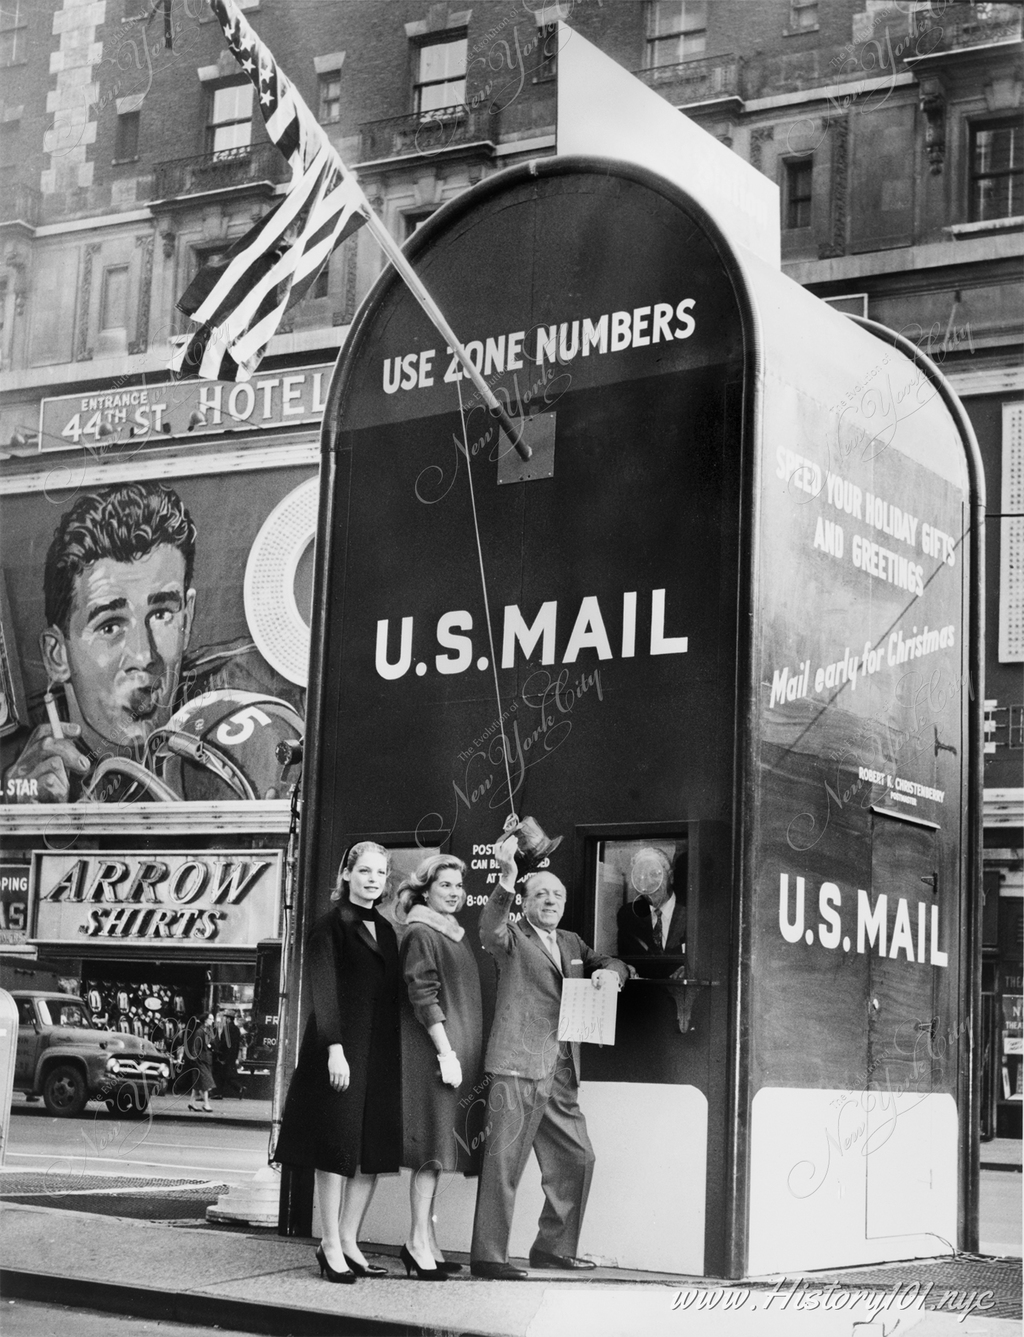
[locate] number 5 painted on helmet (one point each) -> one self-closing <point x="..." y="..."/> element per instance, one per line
<point x="246" y="720"/>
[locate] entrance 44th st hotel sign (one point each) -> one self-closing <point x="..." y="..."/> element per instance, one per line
<point x="170" y="897"/>
<point x="277" y="399"/>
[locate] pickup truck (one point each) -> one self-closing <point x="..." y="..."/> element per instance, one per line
<point x="65" y="1058"/>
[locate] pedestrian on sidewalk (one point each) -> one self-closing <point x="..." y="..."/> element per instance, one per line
<point x="442" y="1049"/>
<point x="225" y="1057"/>
<point x="199" y="1054"/>
<point x="343" y="1113"/>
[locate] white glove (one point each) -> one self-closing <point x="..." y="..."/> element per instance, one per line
<point x="451" y="1069"/>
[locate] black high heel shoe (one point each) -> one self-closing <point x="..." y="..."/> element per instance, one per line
<point x="345" y="1278"/>
<point x="422" y="1273"/>
<point x="443" y="1265"/>
<point x="369" y="1270"/>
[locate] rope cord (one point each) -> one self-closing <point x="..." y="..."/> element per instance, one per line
<point x="487" y="605"/>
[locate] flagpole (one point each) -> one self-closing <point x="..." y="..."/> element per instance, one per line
<point x="394" y="253"/>
<point x="290" y="122"/>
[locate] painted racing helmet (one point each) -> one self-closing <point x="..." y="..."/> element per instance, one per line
<point x="223" y="745"/>
<point x="229" y="745"/>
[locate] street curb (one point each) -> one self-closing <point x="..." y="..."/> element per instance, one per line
<point x="205" y="1310"/>
<point x="223" y="1121"/>
<point x="228" y="1121"/>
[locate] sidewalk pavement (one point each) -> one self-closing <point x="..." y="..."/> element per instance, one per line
<point x="256" y="1281"/>
<point x="263" y="1283"/>
<point x="1002" y="1153"/>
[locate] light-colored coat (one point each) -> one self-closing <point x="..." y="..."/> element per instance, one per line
<point x="442" y="1126"/>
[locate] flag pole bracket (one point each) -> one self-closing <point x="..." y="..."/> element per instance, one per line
<point x="537" y="433"/>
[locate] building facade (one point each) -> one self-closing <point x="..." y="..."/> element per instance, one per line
<point x="131" y="153"/>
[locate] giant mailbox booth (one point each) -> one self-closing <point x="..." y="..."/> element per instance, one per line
<point x="728" y="611"/>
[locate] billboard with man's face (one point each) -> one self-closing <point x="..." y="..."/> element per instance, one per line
<point x="155" y="634"/>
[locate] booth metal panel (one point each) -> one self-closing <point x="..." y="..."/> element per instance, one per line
<point x="676" y="621"/>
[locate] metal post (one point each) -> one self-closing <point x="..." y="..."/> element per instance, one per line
<point x="290" y="861"/>
<point x="295" y="1205"/>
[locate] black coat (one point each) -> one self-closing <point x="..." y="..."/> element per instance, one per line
<point x="355" y="985"/>
<point x="199" y="1057"/>
<point x="227" y="1045"/>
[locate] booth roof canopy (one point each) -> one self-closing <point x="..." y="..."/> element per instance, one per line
<point x="879" y="395"/>
<point x="604" y="110"/>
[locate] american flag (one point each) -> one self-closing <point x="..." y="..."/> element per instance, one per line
<point x="239" y="303"/>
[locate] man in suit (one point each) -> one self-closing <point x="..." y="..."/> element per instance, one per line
<point x="534" y="1079"/>
<point x="652" y="928"/>
<point x="225" y="1057"/>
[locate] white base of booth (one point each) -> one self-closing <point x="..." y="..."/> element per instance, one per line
<point x="646" y="1207"/>
<point x="841" y="1178"/>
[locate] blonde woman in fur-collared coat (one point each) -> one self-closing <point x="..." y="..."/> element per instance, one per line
<point x="442" y="1048"/>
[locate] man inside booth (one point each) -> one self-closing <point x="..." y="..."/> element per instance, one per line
<point x="652" y="926"/>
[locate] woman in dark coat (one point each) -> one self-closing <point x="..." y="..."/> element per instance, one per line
<point x="199" y="1054"/>
<point x="343" y="1112"/>
<point x="442" y="1047"/>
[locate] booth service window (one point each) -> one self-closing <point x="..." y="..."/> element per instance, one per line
<point x="798" y="191"/>
<point x="676" y="31"/>
<point x="405" y="859"/>
<point x="440" y="74"/>
<point x="230" y="124"/>
<point x="634" y="880"/>
<point x="997" y="170"/>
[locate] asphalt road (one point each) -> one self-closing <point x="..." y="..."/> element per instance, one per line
<point x="166" y="1148"/>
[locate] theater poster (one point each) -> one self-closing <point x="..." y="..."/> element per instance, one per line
<point x="155" y="633"/>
